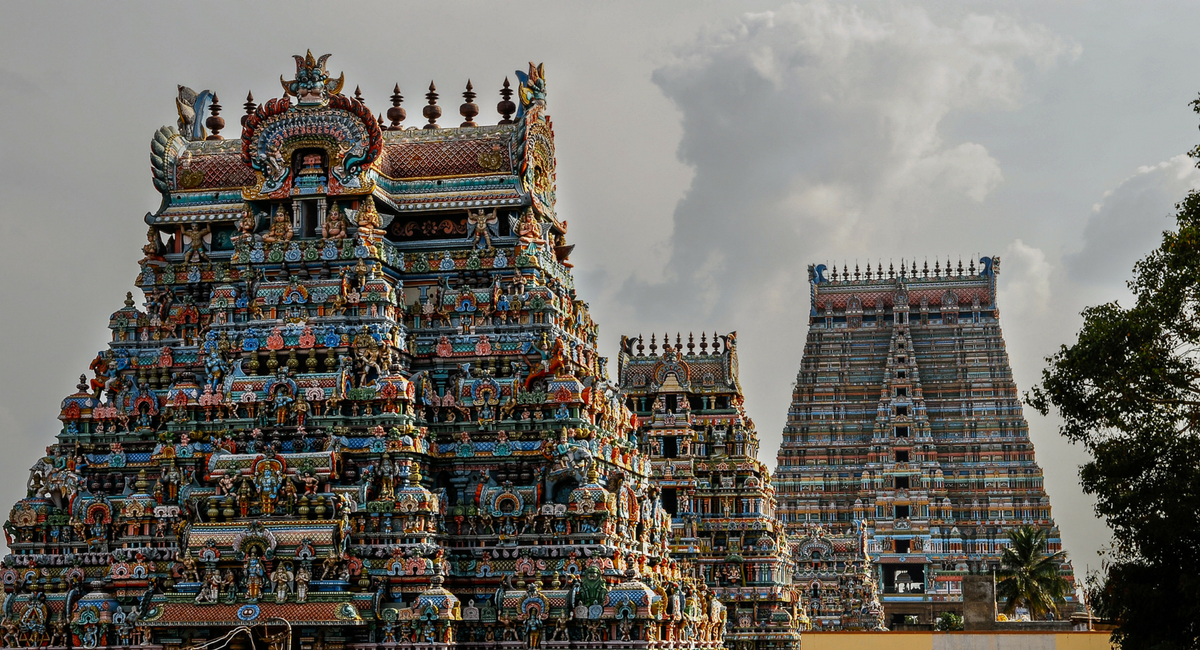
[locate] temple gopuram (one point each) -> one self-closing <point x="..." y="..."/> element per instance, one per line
<point x="703" y="452"/>
<point x="906" y="432"/>
<point x="361" y="407"/>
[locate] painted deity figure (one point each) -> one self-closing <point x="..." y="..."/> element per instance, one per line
<point x="282" y="578"/>
<point x="482" y="225"/>
<point x="245" y="226"/>
<point x="281" y="229"/>
<point x="195" y="251"/>
<point x="269" y="482"/>
<point x="528" y="230"/>
<point x="254" y="576"/>
<point x="281" y="402"/>
<point x="211" y="589"/>
<point x="335" y="226"/>
<point x="303" y="577"/>
<point x="369" y="223"/>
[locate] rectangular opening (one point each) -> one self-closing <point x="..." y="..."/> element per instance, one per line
<point x="902" y="546"/>
<point x="902" y="513"/>
<point x="901" y="432"/>
<point x="901" y="455"/>
<point x="308" y="220"/>
<point x="902" y="391"/>
<point x="901" y="481"/>
<point x="670" y="500"/>
<point x="901" y="374"/>
<point x="670" y="447"/>
<point x="672" y="402"/>
<point x="901" y="410"/>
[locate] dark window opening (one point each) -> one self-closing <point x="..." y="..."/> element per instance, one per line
<point x="901" y="432"/>
<point x="308" y="220"/>
<point x="670" y="447"/>
<point x="901" y="455"/>
<point x="902" y="392"/>
<point x="902" y="545"/>
<point x="672" y="402"/>
<point x="670" y="500"/>
<point x="901" y="374"/>
<point x="901" y="481"/>
<point x="902" y="513"/>
<point x="901" y="410"/>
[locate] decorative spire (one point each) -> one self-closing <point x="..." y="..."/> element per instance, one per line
<point x="641" y="348"/>
<point x="925" y="269"/>
<point x="432" y="112"/>
<point x="506" y="107"/>
<point x="469" y="108"/>
<point x="396" y="114"/>
<point x="358" y="94"/>
<point x="937" y="268"/>
<point x="691" y="344"/>
<point x="857" y="275"/>
<point x="653" y="345"/>
<point x="703" y="342"/>
<point x="250" y="107"/>
<point x="215" y="122"/>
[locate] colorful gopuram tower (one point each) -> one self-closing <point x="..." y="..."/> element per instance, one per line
<point x="703" y="451"/>
<point x="361" y="407"/>
<point x="906" y="429"/>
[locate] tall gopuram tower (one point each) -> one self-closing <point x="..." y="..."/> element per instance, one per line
<point x="906" y="428"/>
<point x="703" y="452"/>
<point x="361" y="406"/>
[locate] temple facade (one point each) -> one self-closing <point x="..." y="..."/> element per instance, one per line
<point x="361" y="407"/>
<point x="906" y="430"/>
<point x="703" y="452"/>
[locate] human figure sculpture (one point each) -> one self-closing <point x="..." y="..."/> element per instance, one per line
<point x="254" y="576"/>
<point x="335" y="226"/>
<point x="281" y="229"/>
<point x="370" y="225"/>
<point x="528" y="229"/>
<point x="482" y="225"/>
<point x="282" y="578"/>
<point x="245" y="227"/>
<point x="302" y="579"/>
<point x="195" y="251"/>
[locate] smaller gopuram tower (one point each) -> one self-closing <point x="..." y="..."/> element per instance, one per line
<point x="703" y="452"/>
<point x="906" y="431"/>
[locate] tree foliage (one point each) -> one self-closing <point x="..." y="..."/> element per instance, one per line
<point x="1029" y="577"/>
<point x="949" y="622"/>
<point x="1129" y="391"/>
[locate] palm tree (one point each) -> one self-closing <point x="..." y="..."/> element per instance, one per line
<point x="1029" y="577"/>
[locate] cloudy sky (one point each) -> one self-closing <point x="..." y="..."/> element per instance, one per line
<point x="708" y="151"/>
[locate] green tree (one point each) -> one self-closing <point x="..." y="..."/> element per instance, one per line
<point x="1029" y="577"/>
<point x="949" y="622"/>
<point x="1129" y="391"/>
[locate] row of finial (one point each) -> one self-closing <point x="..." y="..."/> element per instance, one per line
<point x="905" y="270"/>
<point x="678" y="347"/>
<point x="395" y="115"/>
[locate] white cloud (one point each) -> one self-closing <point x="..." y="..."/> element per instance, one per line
<point x="1025" y="293"/>
<point x="1128" y="222"/>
